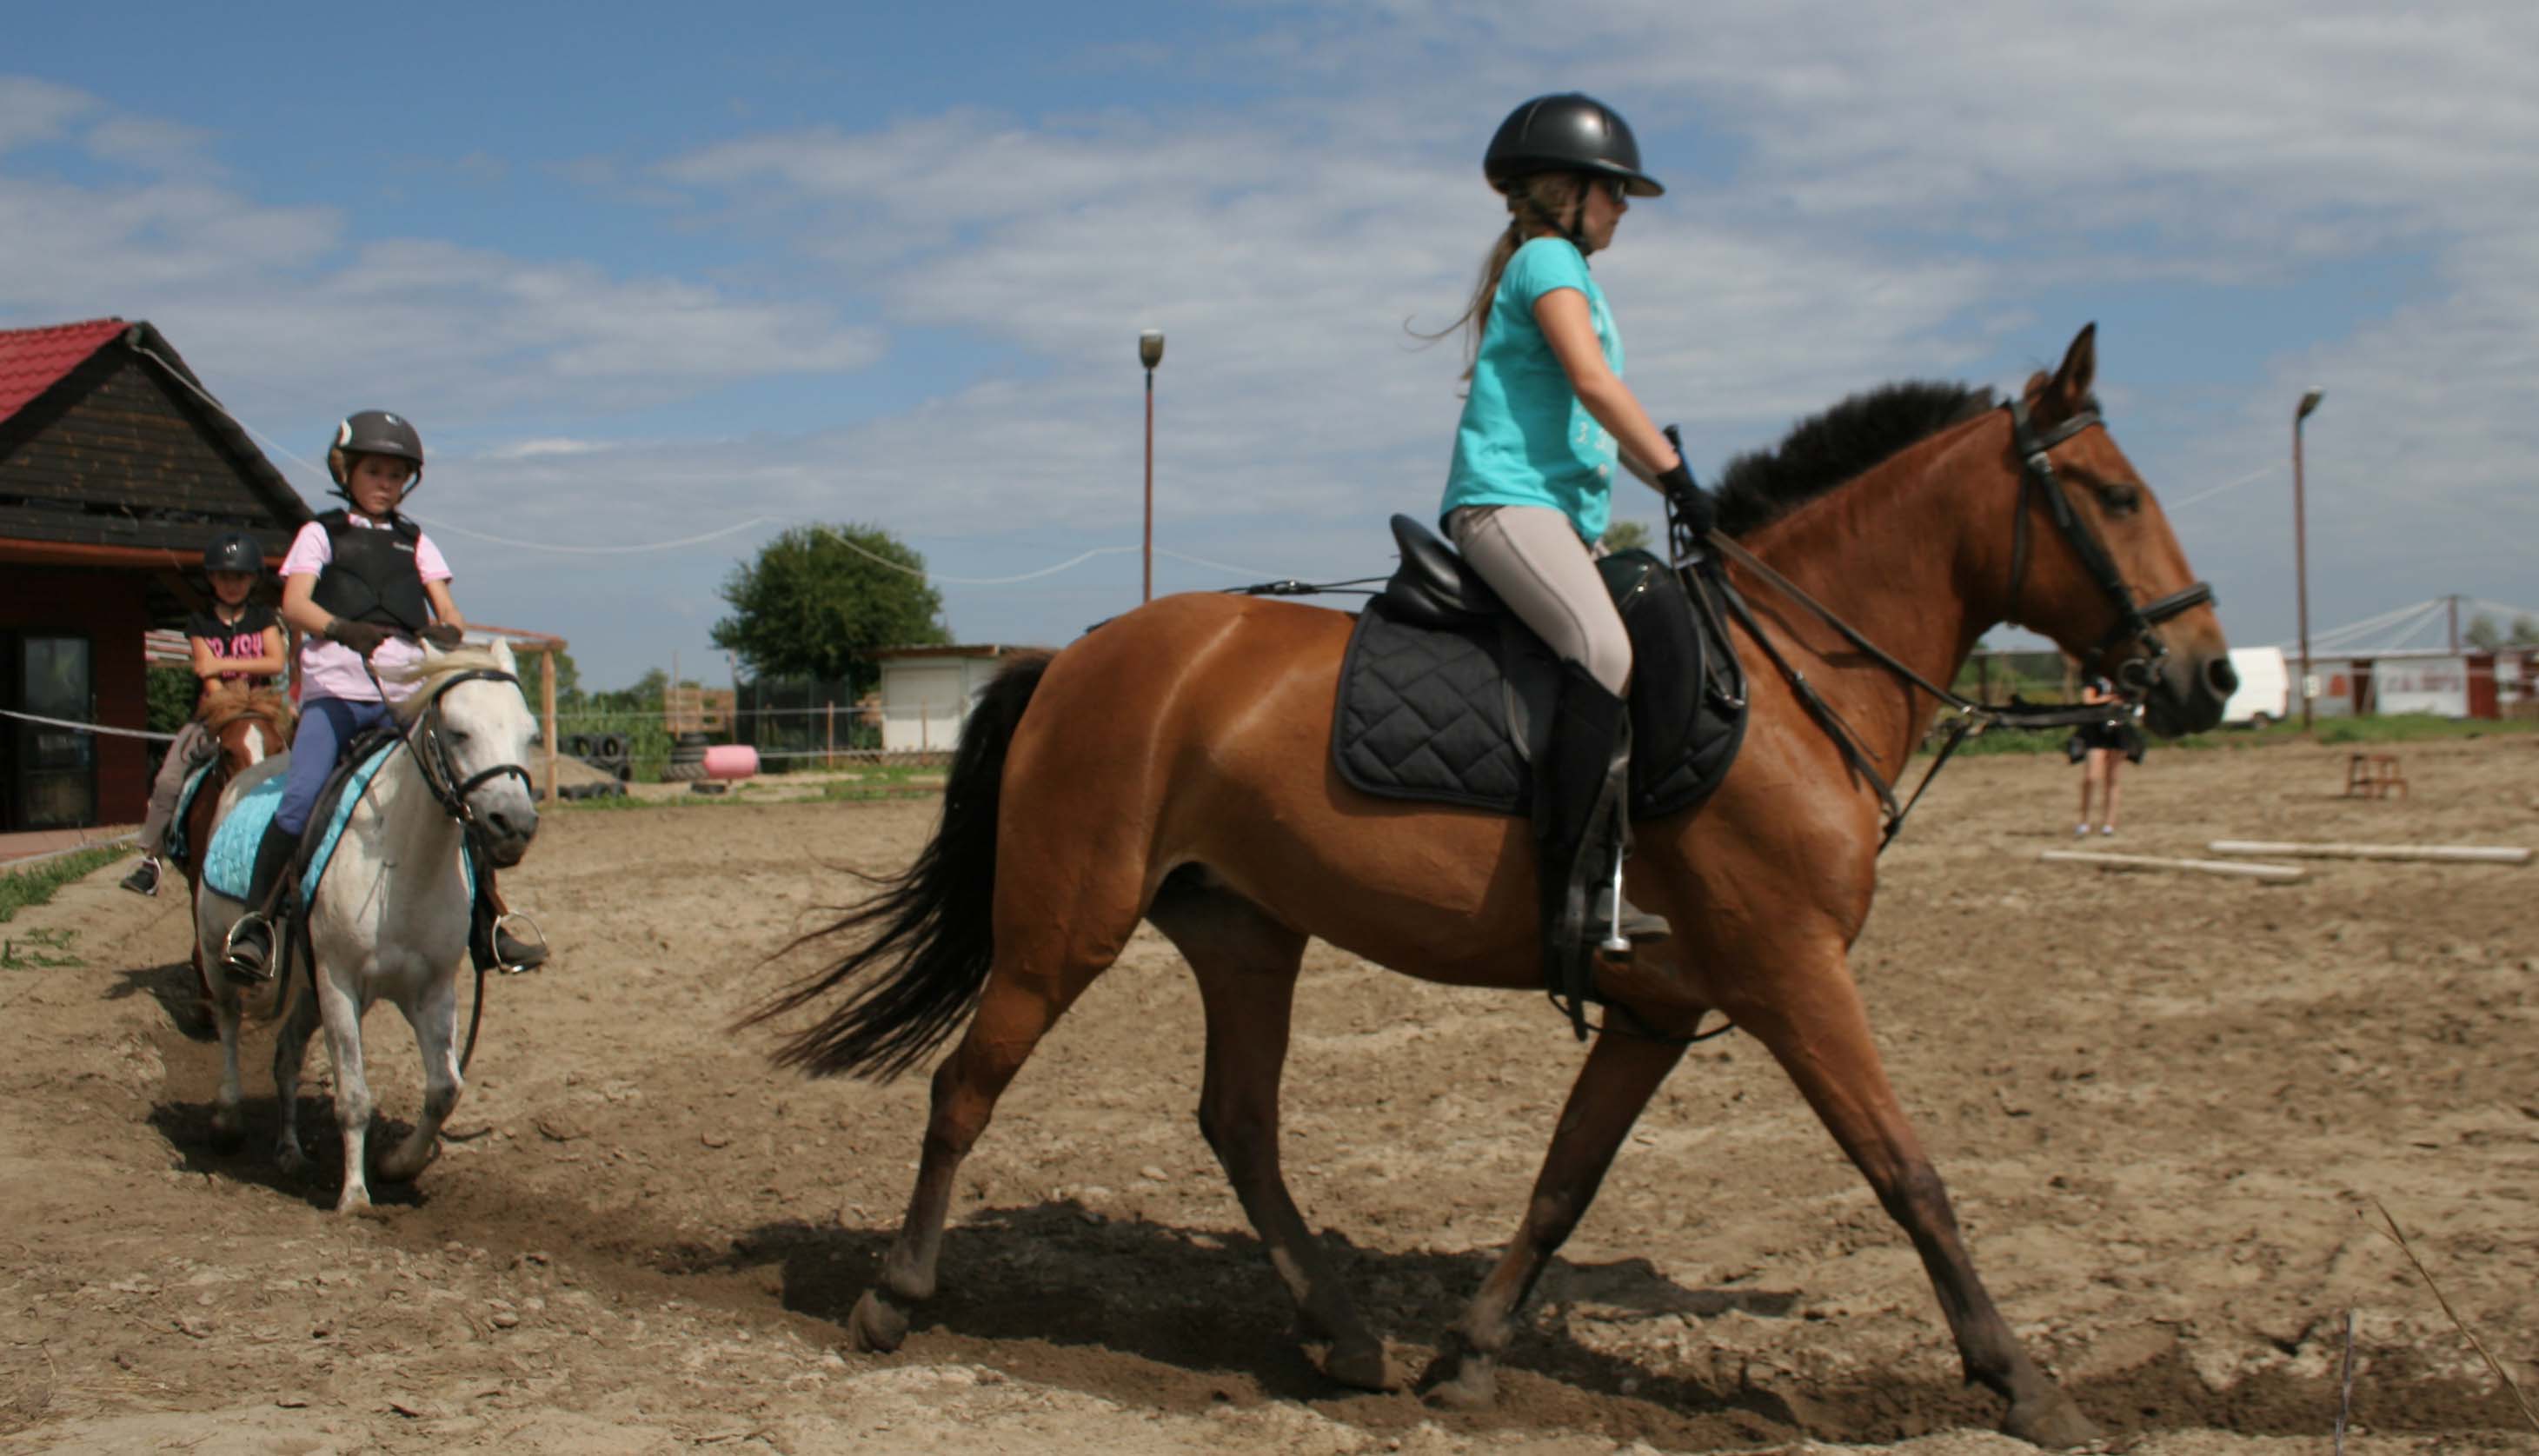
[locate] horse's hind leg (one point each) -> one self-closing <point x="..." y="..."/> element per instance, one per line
<point x="1039" y="972"/>
<point x="290" y="1049"/>
<point x="1809" y="1016"/>
<point x="435" y="1019"/>
<point x="1622" y="1073"/>
<point x="1247" y="966"/>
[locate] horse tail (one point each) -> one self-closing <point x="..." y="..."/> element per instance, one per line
<point x="937" y="936"/>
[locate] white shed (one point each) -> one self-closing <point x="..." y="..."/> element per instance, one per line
<point x="927" y="692"/>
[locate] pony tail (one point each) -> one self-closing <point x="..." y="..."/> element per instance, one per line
<point x="1540" y="200"/>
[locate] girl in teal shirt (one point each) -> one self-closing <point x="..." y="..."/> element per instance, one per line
<point x="1530" y="488"/>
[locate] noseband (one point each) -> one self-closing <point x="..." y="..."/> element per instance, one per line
<point x="440" y="773"/>
<point x="2134" y="623"/>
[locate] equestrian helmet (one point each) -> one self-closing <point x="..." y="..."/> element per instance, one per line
<point x="234" y="551"/>
<point x="1569" y="132"/>
<point x="372" y="432"/>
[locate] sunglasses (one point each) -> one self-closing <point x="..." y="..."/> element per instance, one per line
<point x="1616" y="188"/>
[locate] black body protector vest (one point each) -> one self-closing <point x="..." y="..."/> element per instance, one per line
<point x="371" y="575"/>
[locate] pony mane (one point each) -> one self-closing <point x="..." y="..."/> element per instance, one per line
<point x="1841" y="444"/>
<point x="428" y="675"/>
<point x="227" y="703"/>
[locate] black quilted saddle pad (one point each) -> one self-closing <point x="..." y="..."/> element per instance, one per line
<point x="1456" y="714"/>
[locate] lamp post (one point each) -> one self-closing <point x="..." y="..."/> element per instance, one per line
<point x="2300" y="544"/>
<point x="1150" y="352"/>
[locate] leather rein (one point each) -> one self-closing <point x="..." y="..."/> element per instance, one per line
<point x="1693" y="550"/>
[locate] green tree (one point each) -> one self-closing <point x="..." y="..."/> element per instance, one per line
<point x="567" y="677"/>
<point x="820" y="599"/>
<point x="2483" y="633"/>
<point x="1626" y="535"/>
<point x="2525" y="632"/>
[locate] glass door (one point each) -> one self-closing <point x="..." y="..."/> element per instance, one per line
<point x="56" y="767"/>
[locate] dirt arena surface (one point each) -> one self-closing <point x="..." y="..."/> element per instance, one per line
<point x="2163" y="1104"/>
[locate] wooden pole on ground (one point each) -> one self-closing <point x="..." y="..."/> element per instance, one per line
<point x="2272" y="873"/>
<point x="2454" y="853"/>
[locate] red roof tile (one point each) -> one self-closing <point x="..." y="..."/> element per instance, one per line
<point x="33" y="360"/>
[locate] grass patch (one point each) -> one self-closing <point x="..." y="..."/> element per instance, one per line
<point x="40" y="950"/>
<point x="33" y="886"/>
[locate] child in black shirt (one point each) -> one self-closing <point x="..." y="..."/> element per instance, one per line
<point x="236" y="640"/>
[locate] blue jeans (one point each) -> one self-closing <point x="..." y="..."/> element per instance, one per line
<point x="326" y="725"/>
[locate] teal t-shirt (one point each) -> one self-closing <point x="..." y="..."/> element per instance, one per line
<point x="1525" y="440"/>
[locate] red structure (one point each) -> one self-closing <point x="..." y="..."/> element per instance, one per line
<point x="116" y="469"/>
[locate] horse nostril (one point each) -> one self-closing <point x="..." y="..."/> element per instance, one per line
<point x="2222" y="677"/>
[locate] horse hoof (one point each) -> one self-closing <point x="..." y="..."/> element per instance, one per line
<point x="397" y="1167"/>
<point x="228" y="1130"/>
<point x="1361" y="1366"/>
<point x="290" y="1157"/>
<point x="876" y="1325"/>
<point x="1467" y="1384"/>
<point x="2050" y="1421"/>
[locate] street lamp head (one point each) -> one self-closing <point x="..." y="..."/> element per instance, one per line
<point x="1151" y="347"/>
<point x="2310" y="401"/>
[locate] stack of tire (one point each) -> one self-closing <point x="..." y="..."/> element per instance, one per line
<point x="687" y="759"/>
<point x="606" y="752"/>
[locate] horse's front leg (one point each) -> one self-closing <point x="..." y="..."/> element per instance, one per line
<point x="1807" y="1011"/>
<point x="1622" y="1073"/>
<point x="341" y="1010"/>
<point x="229" y="1122"/>
<point x="433" y="1015"/>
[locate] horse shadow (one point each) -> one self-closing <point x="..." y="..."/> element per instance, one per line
<point x="1206" y="1303"/>
<point x="174" y="987"/>
<point x="186" y="1128"/>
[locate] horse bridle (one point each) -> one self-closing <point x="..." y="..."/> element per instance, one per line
<point x="2134" y="622"/>
<point x="431" y="755"/>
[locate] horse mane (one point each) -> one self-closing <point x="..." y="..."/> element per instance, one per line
<point x="226" y="703"/>
<point x="1841" y="444"/>
<point x="427" y="676"/>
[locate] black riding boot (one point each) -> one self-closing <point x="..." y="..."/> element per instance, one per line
<point x="251" y="955"/>
<point x="493" y="947"/>
<point x="1578" y="788"/>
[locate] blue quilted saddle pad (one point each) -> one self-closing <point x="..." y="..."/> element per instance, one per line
<point x="230" y="862"/>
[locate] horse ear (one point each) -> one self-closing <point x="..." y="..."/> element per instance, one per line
<point x="2080" y="368"/>
<point x="502" y="655"/>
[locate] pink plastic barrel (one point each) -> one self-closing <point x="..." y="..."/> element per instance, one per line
<point x="731" y="761"/>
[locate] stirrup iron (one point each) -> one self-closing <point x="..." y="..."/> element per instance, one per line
<point x="494" y="940"/>
<point x="241" y="975"/>
<point x="1615" y="943"/>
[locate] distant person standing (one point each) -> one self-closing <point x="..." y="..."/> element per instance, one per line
<point x="2101" y="748"/>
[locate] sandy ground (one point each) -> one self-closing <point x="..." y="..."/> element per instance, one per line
<point x="2163" y="1103"/>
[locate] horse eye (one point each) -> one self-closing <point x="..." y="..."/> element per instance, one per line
<point x="2120" y="500"/>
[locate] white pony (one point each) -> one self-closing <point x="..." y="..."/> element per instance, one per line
<point x="389" y="920"/>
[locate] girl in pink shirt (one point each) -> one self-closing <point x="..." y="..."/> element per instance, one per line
<point x="363" y="584"/>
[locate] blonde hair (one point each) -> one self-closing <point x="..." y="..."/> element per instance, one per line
<point x="1552" y="201"/>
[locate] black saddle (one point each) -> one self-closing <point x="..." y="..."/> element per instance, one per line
<point x="1446" y="697"/>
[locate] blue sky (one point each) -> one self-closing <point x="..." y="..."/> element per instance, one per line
<point x="645" y="272"/>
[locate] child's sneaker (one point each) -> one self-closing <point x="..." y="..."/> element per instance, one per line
<point x="2080" y="831"/>
<point x="2110" y="830"/>
<point x="144" y="879"/>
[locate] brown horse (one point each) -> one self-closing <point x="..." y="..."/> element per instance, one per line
<point x="250" y="726"/>
<point x="1175" y="765"/>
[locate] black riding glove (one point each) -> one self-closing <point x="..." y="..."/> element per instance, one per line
<point x="364" y="637"/>
<point x="1692" y="505"/>
<point x="443" y="636"/>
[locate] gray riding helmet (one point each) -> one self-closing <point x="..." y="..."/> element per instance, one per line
<point x="1568" y="133"/>
<point x="373" y="432"/>
<point x="234" y="551"/>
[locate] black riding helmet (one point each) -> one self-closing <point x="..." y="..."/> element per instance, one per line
<point x="372" y="432"/>
<point x="1567" y="133"/>
<point x="234" y="551"/>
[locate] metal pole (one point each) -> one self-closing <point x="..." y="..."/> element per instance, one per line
<point x="2301" y="548"/>
<point x="546" y="714"/>
<point x="1147" y="591"/>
